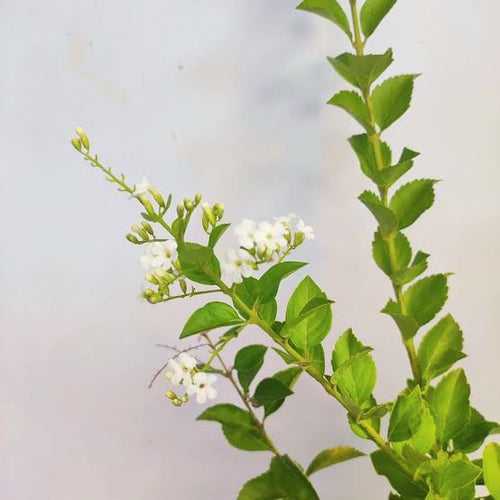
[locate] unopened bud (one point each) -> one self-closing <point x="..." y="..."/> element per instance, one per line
<point x="157" y="196"/>
<point x="208" y="212"/>
<point x="132" y="238"/>
<point x="188" y="204"/>
<point x="77" y="144"/>
<point x="197" y="198"/>
<point x="218" y="210"/>
<point x="147" y="227"/>
<point x="147" y="205"/>
<point x="171" y="395"/>
<point x="183" y="285"/>
<point x="180" y="210"/>
<point x="177" y="402"/>
<point x="298" y="239"/>
<point x="151" y="278"/>
<point x="83" y="138"/>
<point x="205" y="223"/>
<point x="177" y="264"/>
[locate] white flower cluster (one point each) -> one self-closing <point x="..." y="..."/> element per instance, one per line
<point x="182" y="372"/>
<point x="264" y="242"/>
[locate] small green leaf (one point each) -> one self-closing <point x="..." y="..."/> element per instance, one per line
<point x="269" y="391"/>
<point x="314" y="307"/>
<point x="210" y="316"/>
<point x="390" y="175"/>
<point x="346" y="347"/>
<point x="391" y="99"/>
<point x="425" y="438"/>
<point x="288" y="378"/>
<point x="199" y="263"/>
<point x="367" y="162"/>
<point x="248" y="362"/>
<point x="329" y="9"/>
<point x="314" y="356"/>
<point x="356" y="378"/>
<point x="260" y="487"/>
<point x="268" y="311"/>
<point x="373" y="420"/>
<point x="440" y="348"/>
<point x="412" y="200"/>
<point x="270" y="281"/>
<point x="449" y="404"/>
<point x="315" y="325"/>
<point x="418" y="266"/>
<point x="361" y="71"/>
<point x="216" y="234"/>
<point x="333" y="456"/>
<point x="401" y="253"/>
<point x="408" y="326"/>
<point x="372" y="13"/>
<point x="457" y="475"/>
<point x="426" y="298"/>
<point x="238" y="426"/>
<point x="351" y="102"/>
<point x="385" y="217"/>
<point x="406" y="416"/>
<point x="472" y="436"/>
<point x="491" y="469"/>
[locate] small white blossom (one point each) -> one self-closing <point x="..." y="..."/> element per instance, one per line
<point x="179" y="372"/>
<point x="202" y="387"/>
<point x="159" y="254"/>
<point x="289" y="221"/>
<point x="142" y="187"/>
<point x="307" y="231"/>
<point x="271" y="236"/>
<point x="236" y="265"/>
<point x="245" y="232"/>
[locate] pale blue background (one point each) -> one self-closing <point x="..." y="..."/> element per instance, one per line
<point x="224" y="97"/>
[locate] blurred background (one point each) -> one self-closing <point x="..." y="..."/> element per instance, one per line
<point x="226" y="98"/>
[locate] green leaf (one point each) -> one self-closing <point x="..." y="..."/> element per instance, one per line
<point x="390" y="175"/>
<point x="288" y="378"/>
<point x="408" y="326"/>
<point x="418" y="266"/>
<point x="457" y="475"/>
<point x="426" y="298"/>
<point x="367" y="162"/>
<point x="372" y="13"/>
<point x="346" y="347"/>
<point x="406" y="416"/>
<point x="238" y="426"/>
<point x="269" y="391"/>
<point x="329" y="9"/>
<point x="216" y="234"/>
<point x="260" y="488"/>
<point x="315" y="325"/>
<point x="386" y="218"/>
<point x="333" y="456"/>
<point x="361" y="71"/>
<point x="472" y="436"/>
<point x="199" y="263"/>
<point x="268" y="311"/>
<point x="412" y="200"/>
<point x="270" y="281"/>
<point x="356" y="378"/>
<point x="449" y="403"/>
<point x="210" y="316"/>
<point x="374" y="420"/>
<point x="401" y="253"/>
<point x="440" y="348"/>
<point x="314" y="307"/>
<point x="425" y="438"/>
<point x="399" y="480"/>
<point x="491" y="466"/>
<point x="248" y="362"/>
<point x="351" y="102"/>
<point x="391" y="99"/>
<point x="314" y="356"/>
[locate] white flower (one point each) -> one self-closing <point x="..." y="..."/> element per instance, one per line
<point x="245" y="232"/>
<point x="271" y="236"/>
<point x="179" y="372"/>
<point x="142" y="187"/>
<point x="202" y="387"/>
<point x="289" y="221"/>
<point x="159" y="254"/>
<point x="307" y="231"/>
<point x="236" y="265"/>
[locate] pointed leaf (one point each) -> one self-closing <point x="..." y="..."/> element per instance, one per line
<point x="288" y="378"/>
<point x="372" y="13"/>
<point x="329" y="9"/>
<point x="270" y="281"/>
<point x="390" y="175"/>
<point x="346" y="347"/>
<point x="216" y="234"/>
<point x="248" y="362"/>
<point x="199" y="263"/>
<point x="408" y="326"/>
<point x="260" y="487"/>
<point x="210" y="316"/>
<point x="412" y="200"/>
<point x="401" y="253"/>
<point x="391" y="99"/>
<point x="352" y="103"/>
<point x="367" y="162"/>
<point x="472" y="436"/>
<point x="406" y="416"/>
<point x="418" y="266"/>
<point x="386" y="218"/>
<point x="491" y="469"/>
<point x="269" y="391"/>
<point x="333" y="456"/>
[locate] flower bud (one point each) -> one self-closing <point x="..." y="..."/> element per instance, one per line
<point x="299" y="239"/>
<point x="183" y="285"/>
<point x="132" y="238"/>
<point x="77" y="144"/>
<point x="147" y="205"/>
<point x="147" y="227"/>
<point x="171" y="395"/>
<point x="180" y="209"/>
<point x="83" y="138"/>
<point x="188" y="204"/>
<point x="208" y="212"/>
<point x="152" y="278"/>
<point x="197" y="198"/>
<point x="177" y="402"/>
<point x="218" y="210"/>
<point x="157" y="196"/>
<point x="177" y="265"/>
<point x="205" y="223"/>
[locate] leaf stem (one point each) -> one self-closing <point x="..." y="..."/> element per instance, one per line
<point x="190" y="294"/>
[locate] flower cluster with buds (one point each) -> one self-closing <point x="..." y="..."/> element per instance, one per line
<point x="183" y="372"/>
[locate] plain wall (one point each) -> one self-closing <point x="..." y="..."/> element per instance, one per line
<point x="226" y="98"/>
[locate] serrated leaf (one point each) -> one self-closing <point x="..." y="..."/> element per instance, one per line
<point x="356" y="378"/>
<point x="440" y="348"/>
<point x="333" y="456"/>
<point x="387" y="177"/>
<point x="367" y="162"/>
<point x="449" y="404"/>
<point x="425" y="438"/>
<point x="210" y="316"/>
<point x="329" y="9"/>
<point x="457" y="475"/>
<point x="406" y="416"/>
<point x="352" y="103"/>
<point x="372" y="13"/>
<point x="391" y="99"/>
<point x="385" y="217"/>
<point x="216" y="234"/>
<point x="408" y="326"/>
<point x="199" y="263"/>
<point x="401" y="253"/>
<point x="473" y="435"/>
<point x="418" y="267"/>
<point x="248" y="362"/>
<point x="288" y="378"/>
<point x="361" y="70"/>
<point x="491" y="469"/>
<point x="312" y="329"/>
<point x="270" y="281"/>
<point x="238" y="427"/>
<point x="346" y="347"/>
<point x="412" y="200"/>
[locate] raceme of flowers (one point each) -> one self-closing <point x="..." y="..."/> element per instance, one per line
<point x="182" y="372"/>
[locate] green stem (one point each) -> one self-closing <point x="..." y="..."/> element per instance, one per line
<point x="190" y="294"/>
